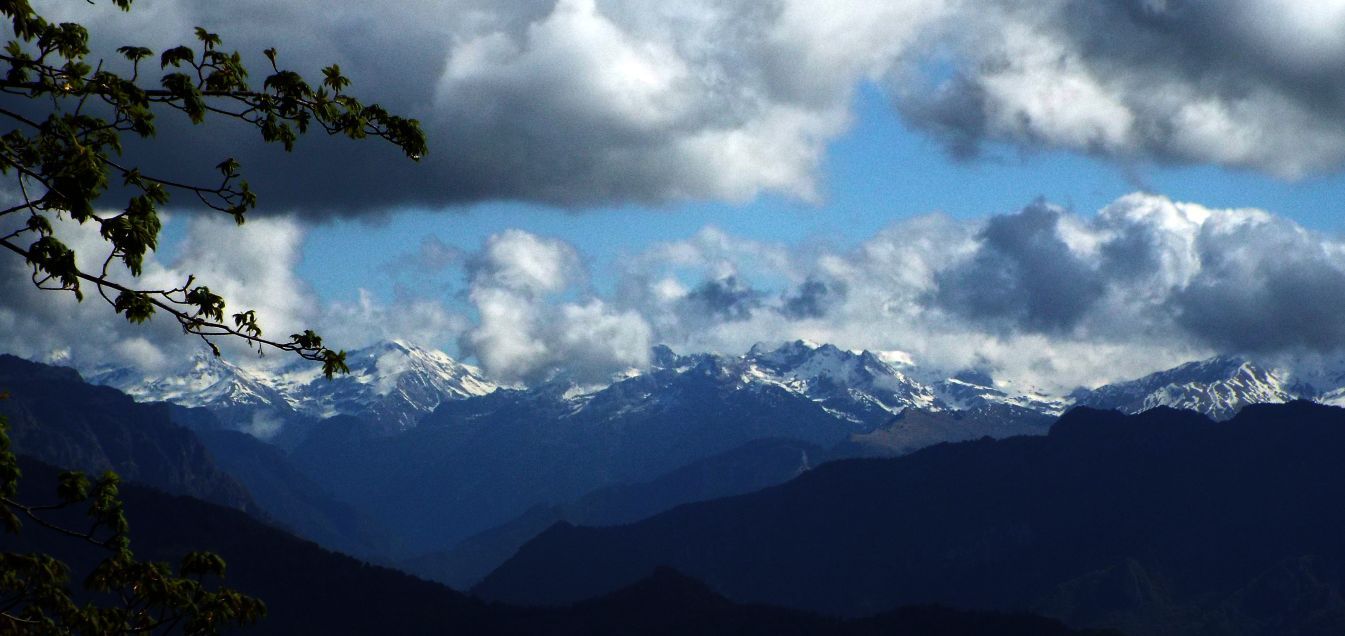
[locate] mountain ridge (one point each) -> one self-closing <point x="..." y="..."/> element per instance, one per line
<point x="394" y="384"/>
<point x="1203" y="515"/>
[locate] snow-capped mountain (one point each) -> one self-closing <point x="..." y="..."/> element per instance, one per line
<point x="834" y="376"/>
<point x="971" y="389"/>
<point x="392" y="383"/>
<point x="205" y="381"/>
<point x="1218" y="387"/>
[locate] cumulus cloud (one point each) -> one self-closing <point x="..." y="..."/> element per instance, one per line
<point x="1044" y="297"/>
<point x="577" y="102"/>
<point x="1025" y="274"/>
<point x="527" y="330"/>
<point x="251" y="266"/>
<point x="1144" y="80"/>
<point x="424" y="321"/>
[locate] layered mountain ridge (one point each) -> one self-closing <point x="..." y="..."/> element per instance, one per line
<point x="1160" y="523"/>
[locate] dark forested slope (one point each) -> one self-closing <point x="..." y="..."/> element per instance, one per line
<point x="1163" y="522"/>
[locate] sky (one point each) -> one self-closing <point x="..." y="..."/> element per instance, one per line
<point x="1060" y="193"/>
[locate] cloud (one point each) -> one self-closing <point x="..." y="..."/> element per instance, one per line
<point x="812" y="299"/>
<point x="580" y="102"/>
<point x="432" y="256"/>
<point x="527" y="330"/>
<point x="1140" y="80"/>
<point x="1044" y="297"/>
<point x="251" y="266"/>
<point x="1025" y="274"/>
<point x="524" y="263"/>
<point x="424" y="321"/>
<point x="726" y="299"/>
<point x="1288" y="292"/>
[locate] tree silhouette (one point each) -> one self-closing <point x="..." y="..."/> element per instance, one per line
<point x="64" y="151"/>
<point x="69" y="114"/>
<point x="131" y="596"/>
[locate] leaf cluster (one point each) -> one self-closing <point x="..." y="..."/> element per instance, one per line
<point x="131" y="596"/>
<point x="68" y="115"/>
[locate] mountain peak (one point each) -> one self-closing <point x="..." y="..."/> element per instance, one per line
<point x="1219" y="387"/>
<point x="393" y="381"/>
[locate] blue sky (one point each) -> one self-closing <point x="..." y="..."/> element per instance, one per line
<point x="878" y="172"/>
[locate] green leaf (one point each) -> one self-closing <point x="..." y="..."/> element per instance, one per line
<point x="333" y="362"/>
<point x="136" y="306"/>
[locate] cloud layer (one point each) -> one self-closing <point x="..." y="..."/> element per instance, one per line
<point x="1043" y="297"/>
<point x="579" y="102"/>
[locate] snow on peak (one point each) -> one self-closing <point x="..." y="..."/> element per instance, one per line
<point x="392" y="380"/>
<point x="1218" y="387"/>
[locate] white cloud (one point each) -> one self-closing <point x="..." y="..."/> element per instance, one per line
<point x="1044" y="297"/>
<point x="252" y="267"/>
<point x="526" y="327"/>
<point x="426" y="322"/>
<point x="526" y="263"/>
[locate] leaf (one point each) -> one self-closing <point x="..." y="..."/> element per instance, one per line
<point x="176" y="56"/>
<point x="228" y="167"/>
<point x="135" y="53"/>
<point x="136" y="306"/>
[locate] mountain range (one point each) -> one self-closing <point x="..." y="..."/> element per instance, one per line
<point x="1166" y="522"/>
<point x="309" y="590"/>
<point x="394" y="384"/>
<point x="391" y="385"/>
<point x="438" y="452"/>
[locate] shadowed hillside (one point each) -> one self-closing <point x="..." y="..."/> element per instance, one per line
<point x="1164" y="522"/>
<point x="309" y="590"/>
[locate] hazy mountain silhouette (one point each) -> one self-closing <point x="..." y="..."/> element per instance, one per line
<point x="1162" y="522"/>
<point x="56" y="417"/>
<point x="309" y="590"/>
<point x="748" y="468"/>
<point x="294" y="501"/>
<point x="475" y="464"/>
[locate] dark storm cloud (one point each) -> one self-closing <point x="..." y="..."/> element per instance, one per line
<point x="1253" y="84"/>
<point x="1023" y="276"/>
<point x="577" y="102"/>
<point x="812" y="299"/>
<point x="1285" y="293"/>
<point x="727" y="299"/>
<point x="564" y="102"/>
